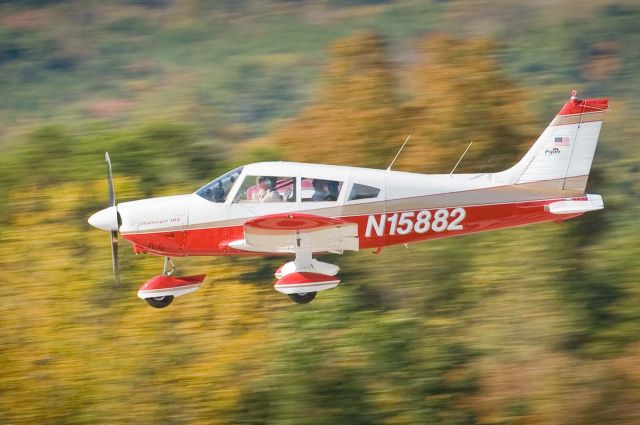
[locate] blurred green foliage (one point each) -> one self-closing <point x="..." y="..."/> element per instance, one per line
<point x="532" y="325"/>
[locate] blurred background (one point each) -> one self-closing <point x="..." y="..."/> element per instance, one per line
<point x="536" y="325"/>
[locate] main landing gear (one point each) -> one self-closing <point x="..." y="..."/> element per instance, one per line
<point x="303" y="298"/>
<point x="302" y="278"/>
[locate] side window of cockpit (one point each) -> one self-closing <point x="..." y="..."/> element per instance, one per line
<point x="266" y="189"/>
<point x="361" y="191"/>
<point x="319" y="190"/>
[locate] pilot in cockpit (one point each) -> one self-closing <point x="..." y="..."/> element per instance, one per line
<point x="267" y="190"/>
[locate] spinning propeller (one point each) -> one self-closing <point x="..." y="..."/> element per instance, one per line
<point x="114" y="233"/>
<point x="109" y="219"/>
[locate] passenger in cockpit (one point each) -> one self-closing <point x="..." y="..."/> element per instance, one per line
<point x="321" y="190"/>
<point x="332" y="187"/>
<point x="218" y="192"/>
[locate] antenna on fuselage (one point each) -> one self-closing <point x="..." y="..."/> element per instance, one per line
<point x="396" y="157"/>
<point x="462" y="156"/>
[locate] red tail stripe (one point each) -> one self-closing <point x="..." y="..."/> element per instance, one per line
<point x="576" y="106"/>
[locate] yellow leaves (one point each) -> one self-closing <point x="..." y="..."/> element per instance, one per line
<point x="77" y="336"/>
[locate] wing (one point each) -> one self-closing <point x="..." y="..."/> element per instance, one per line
<point x="296" y="232"/>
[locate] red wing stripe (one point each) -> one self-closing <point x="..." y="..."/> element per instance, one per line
<point x="293" y="221"/>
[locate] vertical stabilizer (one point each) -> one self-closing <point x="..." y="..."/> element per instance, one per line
<point x="561" y="157"/>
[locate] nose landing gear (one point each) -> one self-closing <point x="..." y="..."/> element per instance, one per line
<point x="159" y="302"/>
<point x="160" y="291"/>
<point x="163" y="301"/>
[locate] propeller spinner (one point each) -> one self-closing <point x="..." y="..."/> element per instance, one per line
<point x="109" y="219"/>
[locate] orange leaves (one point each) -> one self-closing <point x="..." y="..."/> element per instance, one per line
<point x="460" y="95"/>
<point x="356" y="112"/>
<point x="457" y="94"/>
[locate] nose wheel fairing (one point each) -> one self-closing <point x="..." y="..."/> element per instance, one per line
<point x="169" y="286"/>
<point x="161" y="290"/>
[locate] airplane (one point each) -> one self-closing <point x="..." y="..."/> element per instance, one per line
<point x="299" y="209"/>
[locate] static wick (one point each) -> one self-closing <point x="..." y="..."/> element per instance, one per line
<point x="398" y="154"/>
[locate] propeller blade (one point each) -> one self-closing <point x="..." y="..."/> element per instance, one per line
<point x="114" y="256"/>
<point x="114" y="233"/>
<point x="112" y="192"/>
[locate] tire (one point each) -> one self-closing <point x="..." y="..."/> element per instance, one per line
<point x="305" y="298"/>
<point x="159" y="302"/>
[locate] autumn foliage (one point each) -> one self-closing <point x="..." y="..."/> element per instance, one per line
<point x="534" y="326"/>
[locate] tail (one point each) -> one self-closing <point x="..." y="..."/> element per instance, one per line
<point x="560" y="160"/>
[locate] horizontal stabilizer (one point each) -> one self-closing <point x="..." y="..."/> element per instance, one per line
<point x="592" y="203"/>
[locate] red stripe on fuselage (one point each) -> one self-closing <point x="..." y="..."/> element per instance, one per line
<point x="477" y="218"/>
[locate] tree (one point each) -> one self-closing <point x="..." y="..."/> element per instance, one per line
<point x="357" y="115"/>
<point x="461" y="95"/>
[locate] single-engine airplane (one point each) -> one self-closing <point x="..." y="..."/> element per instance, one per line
<point x="305" y="209"/>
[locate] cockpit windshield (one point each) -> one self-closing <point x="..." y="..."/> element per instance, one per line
<point x="217" y="190"/>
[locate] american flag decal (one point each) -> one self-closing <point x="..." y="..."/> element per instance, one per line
<point x="562" y="141"/>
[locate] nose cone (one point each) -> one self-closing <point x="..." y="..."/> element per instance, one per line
<point x="106" y="219"/>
